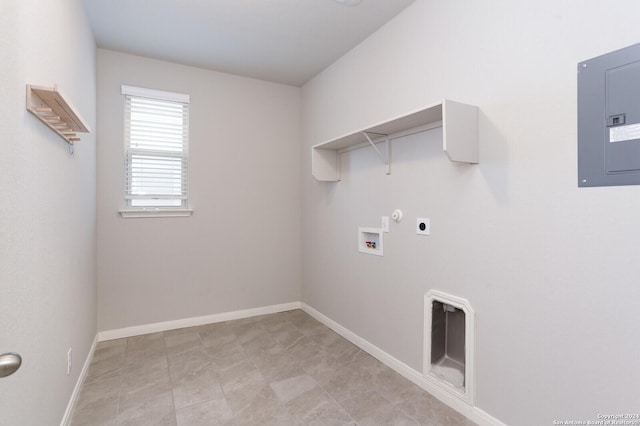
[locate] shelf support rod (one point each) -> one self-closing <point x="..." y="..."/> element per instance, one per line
<point x="386" y="162"/>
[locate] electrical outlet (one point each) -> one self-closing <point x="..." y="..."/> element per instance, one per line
<point x="69" y="361"/>
<point x="423" y="226"/>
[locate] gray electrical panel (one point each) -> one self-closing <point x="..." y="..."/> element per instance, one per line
<point x="609" y="119"/>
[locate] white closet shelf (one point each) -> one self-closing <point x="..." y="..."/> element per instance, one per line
<point x="51" y="107"/>
<point x="459" y="140"/>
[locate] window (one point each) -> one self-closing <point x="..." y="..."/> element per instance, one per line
<point x="156" y="148"/>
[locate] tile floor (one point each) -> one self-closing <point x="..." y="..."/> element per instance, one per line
<point x="279" y="369"/>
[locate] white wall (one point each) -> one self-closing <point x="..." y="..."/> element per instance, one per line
<point x="241" y="247"/>
<point x="47" y="210"/>
<point x="550" y="269"/>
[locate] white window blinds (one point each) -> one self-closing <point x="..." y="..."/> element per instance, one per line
<point x="156" y="148"/>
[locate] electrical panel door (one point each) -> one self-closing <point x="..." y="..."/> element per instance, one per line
<point x="609" y="119"/>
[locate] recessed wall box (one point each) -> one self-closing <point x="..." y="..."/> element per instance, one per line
<point x="609" y="119"/>
<point x="449" y="344"/>
<point x="370" y="241"/>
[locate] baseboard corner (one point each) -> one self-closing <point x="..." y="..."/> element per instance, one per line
<point x="66" y="419"/>
<point x="471" y="412"/>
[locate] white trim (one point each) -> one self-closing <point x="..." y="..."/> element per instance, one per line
<point x="468" y="395"/>
<point x="155" y="94"/>
<point x="76" y="390"/>
<point x="155" y="212"/>
<point x="473" y="413"/>
<point x="194" y="321"/>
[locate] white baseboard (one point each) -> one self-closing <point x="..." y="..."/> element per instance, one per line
<point x="194" y="321"/>
<point x="164" y="326"/>
<point x="76" y="390"/>
<point x="471" y="412"/>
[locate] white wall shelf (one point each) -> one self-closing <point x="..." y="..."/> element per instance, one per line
<point x="48" y="104"/>
<point x="460" y="137"/>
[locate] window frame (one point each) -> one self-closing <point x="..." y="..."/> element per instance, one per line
<point x="131" y="210"/>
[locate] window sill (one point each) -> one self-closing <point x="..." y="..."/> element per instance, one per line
<point x="155" y="212"/>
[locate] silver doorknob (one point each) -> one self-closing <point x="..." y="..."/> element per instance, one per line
<point x="9" y="363"/>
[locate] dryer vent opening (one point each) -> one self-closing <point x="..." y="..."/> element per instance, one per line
<point x="447" y="343"/>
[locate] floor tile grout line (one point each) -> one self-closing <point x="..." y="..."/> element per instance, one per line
<point x="280" y="403"/>
<point x="306" y="329"/>
<point x="397" y="405"/>
<point x="222" y="387"/>
<point x="121" y="386"/>
<point x="345" y="364"/>
<point x="302" y="368"/>
<point x="208" y="363"/>
<point x="319" y="384"/>
<point x="335" y="400"/>
<point x="166" y="356"/>
<point x="224" y="394"/>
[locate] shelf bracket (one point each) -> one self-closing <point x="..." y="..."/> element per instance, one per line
<point x="387" y="161"/>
